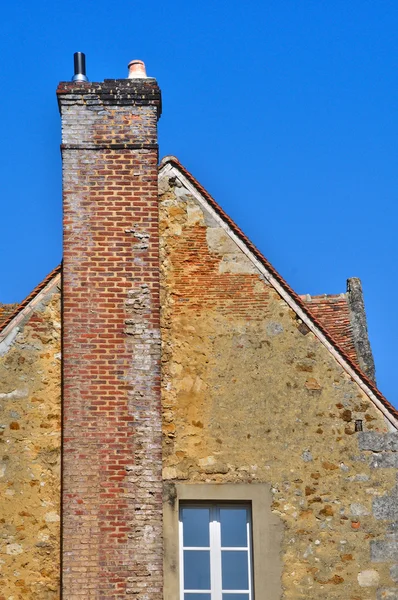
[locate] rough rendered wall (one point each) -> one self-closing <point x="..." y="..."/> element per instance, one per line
<point x="250" y="396"/>
<point x="30" y="457"/>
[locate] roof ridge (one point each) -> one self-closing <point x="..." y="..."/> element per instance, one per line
<point x="283" y="283"/>
<point x="40" y="286"/>
<point x="309" y="297"/>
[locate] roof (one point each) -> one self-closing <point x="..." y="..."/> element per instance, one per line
<point x="10" y="314"/>
<point x="314" y="322"/>
<point x="6" y="310"/>
<point x="334" y="314"/>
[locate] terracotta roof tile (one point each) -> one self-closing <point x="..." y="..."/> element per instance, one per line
<point x="333" y="312"/>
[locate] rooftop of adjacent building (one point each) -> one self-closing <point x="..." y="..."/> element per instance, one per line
<point x="333" y="311"/>
<point x="6" y="310"/>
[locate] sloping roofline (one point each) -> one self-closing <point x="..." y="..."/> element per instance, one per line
<point x="14" y="318"/>
<point x="170" y="165"/>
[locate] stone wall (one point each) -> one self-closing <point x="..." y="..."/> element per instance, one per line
<point x="381" y="453"/>
<point x="30" y="421"/>
<point x="249" y="395"/>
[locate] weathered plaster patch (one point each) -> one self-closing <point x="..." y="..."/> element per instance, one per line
<point x="14" y="549"/>
<point x="368" y="578"/>
<point x="6" y="343"/>
<point x="231" y="263"/>
<point x="52" y="517"/>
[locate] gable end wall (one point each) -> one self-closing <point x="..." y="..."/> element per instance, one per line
<point x="249" y="395"/>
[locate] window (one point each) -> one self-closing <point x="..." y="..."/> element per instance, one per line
<point x="215" y="552"/>
<point x="221" y="542"/>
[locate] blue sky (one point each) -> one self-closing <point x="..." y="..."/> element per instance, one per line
<point x="286" y="111"/>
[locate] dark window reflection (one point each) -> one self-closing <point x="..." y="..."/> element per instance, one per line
<point x="197" y="569"/>
<point x="196" y="526"/>
<point x="233" y="527"/>
<point x="235" y="574"/>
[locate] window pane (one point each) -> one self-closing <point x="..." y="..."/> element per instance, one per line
<point x="233" y="526"/>
<point x="195" y="526"/>
<point x="234" y="570"/>
<point x="235" y="597"/>
<point x="199" y="597"/>
<point x="196" y="569"/>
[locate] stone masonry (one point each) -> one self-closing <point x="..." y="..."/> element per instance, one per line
<point x="251" y="396"/>
<point x="30" y="452"/>
<point x="112" y="512"/>
<point x="382" y="454"/>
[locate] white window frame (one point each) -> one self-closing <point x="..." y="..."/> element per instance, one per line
<point x="216" y="592"/>
<point x="267" y="532"/>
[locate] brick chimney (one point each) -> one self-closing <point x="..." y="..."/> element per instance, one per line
<point x="112" y="508"/>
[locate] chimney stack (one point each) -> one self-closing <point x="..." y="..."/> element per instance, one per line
<point x="112" y="487"/>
